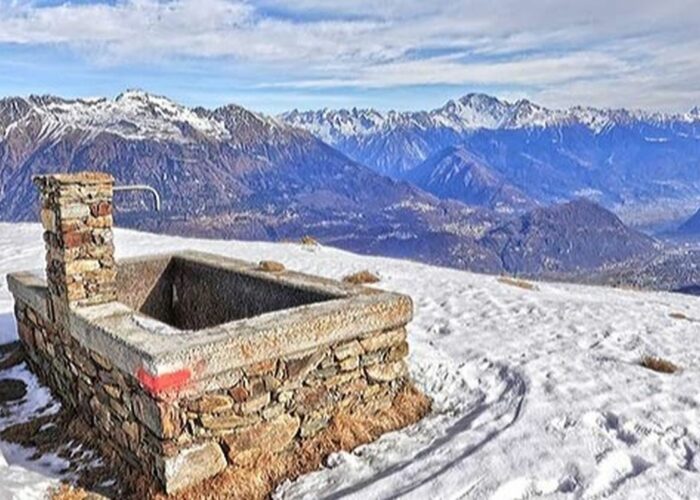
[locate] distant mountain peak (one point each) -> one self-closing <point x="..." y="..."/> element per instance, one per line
<point x="133" y="114"/>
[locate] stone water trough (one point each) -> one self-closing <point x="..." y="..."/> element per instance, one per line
<point x="188" y="363"/>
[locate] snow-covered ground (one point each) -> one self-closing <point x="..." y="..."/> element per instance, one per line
<point x="538" y="393"/>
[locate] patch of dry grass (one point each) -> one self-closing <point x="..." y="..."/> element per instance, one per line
<point x="525" y="285"/>
<point x="308" y="241"/>
<point x="361" y="278"/>
<point x="658" y="364"/>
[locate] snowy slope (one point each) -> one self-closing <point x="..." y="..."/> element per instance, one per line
<point x="537" y="392"/>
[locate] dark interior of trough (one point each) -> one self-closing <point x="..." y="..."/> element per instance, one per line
<point x="190" y="295"/>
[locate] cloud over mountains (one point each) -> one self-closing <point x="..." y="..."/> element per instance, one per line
<point x="609" y="53"/>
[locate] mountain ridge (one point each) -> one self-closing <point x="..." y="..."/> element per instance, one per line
<point x="230" y="172"/>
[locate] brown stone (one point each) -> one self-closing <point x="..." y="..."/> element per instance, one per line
<point x="255" y="404"/>
<point x="309" y="399"/>
<point x="261" y="368"/>
<point x="271" y="383"/>
<point x="349" y="364"/>
<point x="245" y="445"/>
<point x="398" y="352"/>
<point x="76" y="238"/>
<point x="48" y="219"/>
<point x="171" y="420"/>
<point x="327" y="372"/>
<point x="299" y="368"/>
<point x="192" y="465"/>
<point x="386" y="372"/>
<point x="239" y="393"/>
<point x="101" y="209"/>
<point x="101" y="361"/>
<point x="227" y="421"/>
<point x="271" y="266"/>
<point x="273" y="411"/>
<point x="211" y="403"/>
<point x="355" y="386"/>
<point x="372" y="358"/>
<point x="132" y="431"/>
<point x="343" y="378"/>
<point x="382" y="340"/>
<point x="100" y="222"/>
<point x="113" y="391"/>
<point x="256" y="387"/>
<point x="348" y="349"/>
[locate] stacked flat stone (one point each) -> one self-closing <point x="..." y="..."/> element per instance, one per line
<point x="76" y="212"/>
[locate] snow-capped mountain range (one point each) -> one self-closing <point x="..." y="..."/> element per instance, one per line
<point x="470" y="112"/>
<point x="230" y="172"/>
<point x="133" y="114"/>
<point x="645" y="165"/>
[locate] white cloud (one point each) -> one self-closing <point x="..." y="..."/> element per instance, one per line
<point x="611" y="52"/>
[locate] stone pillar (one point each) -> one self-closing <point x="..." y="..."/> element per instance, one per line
<point x="76" y="212"/>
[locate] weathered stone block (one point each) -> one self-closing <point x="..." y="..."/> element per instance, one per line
<point x="211" y="403"/>
<point x="348" y="349"/>
<point x="383" y="340"/>
<point x="192" y="465"/>
<point x="386" y="372"/>
<point x="273" y="436"/>
<point x="226" y="421"/>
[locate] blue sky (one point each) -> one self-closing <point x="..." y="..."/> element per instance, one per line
<point x="273" y="55"/>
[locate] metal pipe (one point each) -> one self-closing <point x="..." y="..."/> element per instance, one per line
<point x="142" y="187"/>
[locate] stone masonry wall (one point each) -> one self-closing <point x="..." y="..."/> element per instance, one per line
<point x="76" y="212"/>
<point x="269" y="406"/>
<point x="105" y="397"/>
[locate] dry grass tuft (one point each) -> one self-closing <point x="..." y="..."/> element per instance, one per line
<point x="658" y="364"/>
<point x="271" y="266"/>
<point x="67" y="492"/>
<point x="361" y="278"/>
<point x="525" y="285"/>
<point x="309" y="241"/>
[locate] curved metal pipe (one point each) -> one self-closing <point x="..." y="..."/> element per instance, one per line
<point x="142" y="187"/>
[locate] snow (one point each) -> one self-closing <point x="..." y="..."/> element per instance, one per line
<point x="537" y="393"/>
<point x="468" y="113"/>
<point x="134" y="114"/>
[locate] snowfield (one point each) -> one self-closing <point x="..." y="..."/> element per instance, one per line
<point x="537" y="393"/>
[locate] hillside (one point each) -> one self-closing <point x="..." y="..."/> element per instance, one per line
<point x="568" y="237"/>
<point x="641" y="164"/>
<point x="233" y="173"/>
<point x="226" y="172"/>
<point x="455" y="173"/>
<point x="537" y="390"/>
